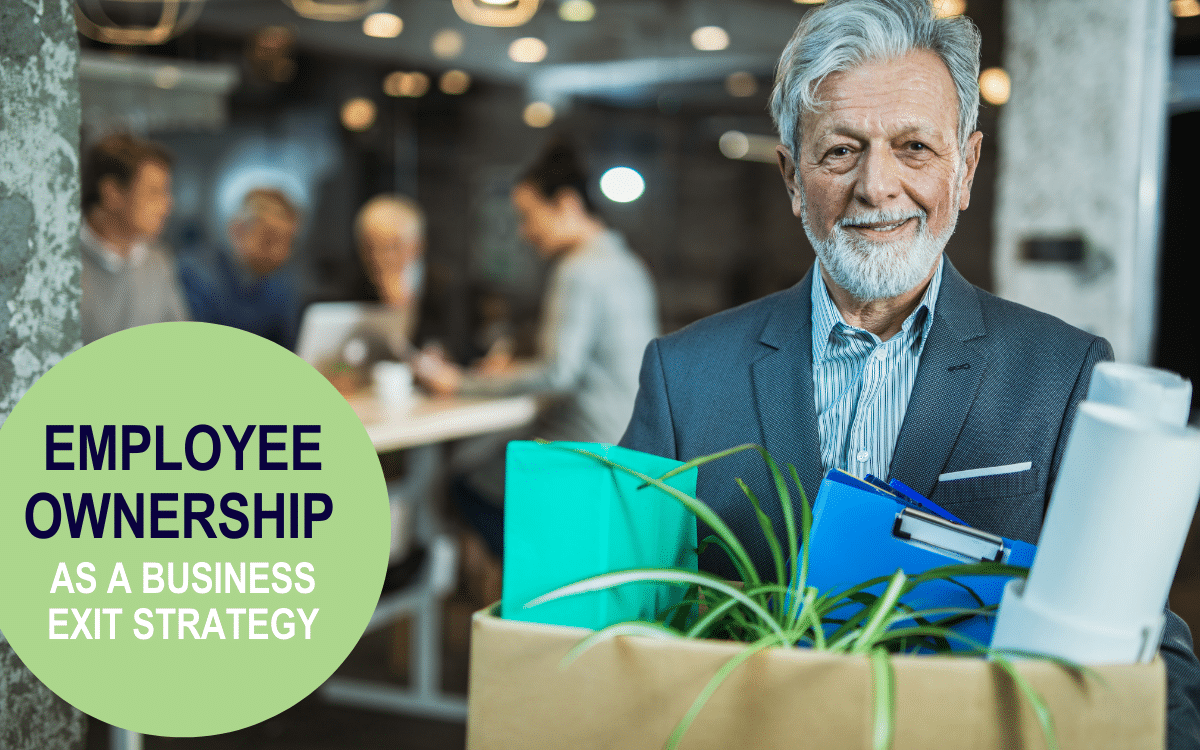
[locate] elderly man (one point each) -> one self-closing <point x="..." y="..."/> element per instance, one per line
<point x="248" y="287"/>
<point x="127" y="279"/>
<point x="883" y="359"/>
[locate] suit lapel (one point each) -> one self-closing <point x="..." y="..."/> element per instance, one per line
<point x="783" y="387"/>
<point x="952" y="367"/>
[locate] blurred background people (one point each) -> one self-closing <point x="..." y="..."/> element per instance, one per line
<point x="127" y="279"/>
<point x="389" y="230"/>
<point x="599" y="313"/>
<point x="248" y="285"/>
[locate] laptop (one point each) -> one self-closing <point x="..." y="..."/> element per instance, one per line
<point x="357" y="334"/>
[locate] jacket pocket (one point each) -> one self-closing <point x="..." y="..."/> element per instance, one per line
<point x="988" y="487"/>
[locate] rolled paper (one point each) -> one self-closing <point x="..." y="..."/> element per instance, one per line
<point x="1155" y="394"/>
<point x="1112" y="537"/>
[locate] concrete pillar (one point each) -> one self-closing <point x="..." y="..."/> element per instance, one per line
<point x="1081" y="146"/>
<point x="39" y="277"/>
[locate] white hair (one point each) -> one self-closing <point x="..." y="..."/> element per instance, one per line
<point x="844" y="34"/>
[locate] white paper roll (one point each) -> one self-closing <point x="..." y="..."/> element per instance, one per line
<point x="1155" y="394"/>
<point x="1116" y="525"/>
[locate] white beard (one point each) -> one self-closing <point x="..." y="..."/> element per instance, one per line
<point x="869" y="270"/>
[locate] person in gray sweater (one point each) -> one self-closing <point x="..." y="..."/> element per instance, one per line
<point x="599" y="313"/>
<point x="127" y="280"/>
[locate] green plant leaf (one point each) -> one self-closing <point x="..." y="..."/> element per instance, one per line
<point x="647" y="629"/>
<point x="1031" y="694"/>
<point x="769" y="533"/>
<point x="701" y="460"/>
<point x="660" y="575"/>
<point x="885" y="699"/>
<point x="805" y="532"/>
<point x="712" y="685"/>
<point x="738" y="564"/>
<point x="880" y="610"/>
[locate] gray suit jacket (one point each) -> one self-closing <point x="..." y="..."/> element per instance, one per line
<point x="998" y="384"/>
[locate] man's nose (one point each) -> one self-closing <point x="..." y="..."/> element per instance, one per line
<point x="879" y="178"/>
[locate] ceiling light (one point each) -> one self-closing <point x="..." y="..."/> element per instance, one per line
<point x="527" y="49"/>
<point x="710" y="38"/>
<point x="506" y="14"/>
<point x="383" y="25"/>
<point x="576" y="10"/>
<point x="1185" y="8"/>
<point x="734" y="144"/>
<point x="358" y="114"/>
<point x="401" y="83"/>
<point x="622" y="185"/>
<point x="496" y="2"/>
<point x="741" y="83"/>
<point x="447" y="44"/>
<point x="167" y="77"/>
<point x="994" y="86"/>
<point x="948" y="8"/>
<point x="538" y="114"/>
<point x="454" y="82"/>
<point x="810" y="2"/>
<point x="335" y="10"/>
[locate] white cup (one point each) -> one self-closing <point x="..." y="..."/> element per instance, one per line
<point x="393" y="382"/>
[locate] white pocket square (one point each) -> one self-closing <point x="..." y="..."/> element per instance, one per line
<point x="989" y="471"/>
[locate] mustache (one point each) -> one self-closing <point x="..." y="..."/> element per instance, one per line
<point x="881" y="217"/>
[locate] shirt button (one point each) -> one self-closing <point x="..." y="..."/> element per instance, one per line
<point x="879" y="354"/>
<point x="862" y="457"/>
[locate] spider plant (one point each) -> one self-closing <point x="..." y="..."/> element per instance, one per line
<point x="764" y="614"/>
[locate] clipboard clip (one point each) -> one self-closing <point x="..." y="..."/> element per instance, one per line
<point x="955" y="540"/>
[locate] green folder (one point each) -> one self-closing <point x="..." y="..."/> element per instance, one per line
<point x="568" y="517"/>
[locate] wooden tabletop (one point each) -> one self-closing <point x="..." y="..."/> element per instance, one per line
<point x="424" y="420"/>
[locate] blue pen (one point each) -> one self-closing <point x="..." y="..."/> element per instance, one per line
<point x="924" y="503"/>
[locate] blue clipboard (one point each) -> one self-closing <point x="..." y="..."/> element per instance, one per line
<point x="861" y="532"/>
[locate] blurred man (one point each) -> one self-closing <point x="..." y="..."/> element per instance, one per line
<point x="883" y="359"/>
<point x="127" y="280"/>
<point x="248" y="286"/>
<point x="390" y="232"/>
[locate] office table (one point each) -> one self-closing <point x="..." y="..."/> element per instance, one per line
<point x="425" y="420"/>
<point x="421" y="422"/>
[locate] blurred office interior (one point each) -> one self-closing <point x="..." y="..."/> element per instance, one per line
<point x="1081" y="204"/>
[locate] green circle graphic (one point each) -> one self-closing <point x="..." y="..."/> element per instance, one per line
<point x="300" y="571"/>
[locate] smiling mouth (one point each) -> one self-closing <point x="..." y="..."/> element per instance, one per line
<point x="878" y="227"/>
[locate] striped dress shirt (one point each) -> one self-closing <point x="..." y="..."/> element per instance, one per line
<point x="861" y="383"/>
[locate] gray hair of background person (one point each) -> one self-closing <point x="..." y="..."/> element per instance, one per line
<point x="845" y="34"/>
<point x="258" y="201"/>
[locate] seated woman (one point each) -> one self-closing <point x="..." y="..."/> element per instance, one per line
<point x="599" y="313"/>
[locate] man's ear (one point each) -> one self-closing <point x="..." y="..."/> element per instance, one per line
<point x="787" y="168"/>
<point x="972" y="162"/>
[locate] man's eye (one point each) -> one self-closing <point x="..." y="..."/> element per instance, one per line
<point x="917" y="146"/>
<point x="839" y="151"/>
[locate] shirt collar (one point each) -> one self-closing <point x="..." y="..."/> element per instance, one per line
<point x="826" y="317"/>
<point x="108" y="255"/>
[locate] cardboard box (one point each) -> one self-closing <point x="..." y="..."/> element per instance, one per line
<point x="628" y="694"/>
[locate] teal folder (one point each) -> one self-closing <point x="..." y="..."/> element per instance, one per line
<point x="568" y="517"/>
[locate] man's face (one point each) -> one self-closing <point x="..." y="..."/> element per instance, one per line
<point x="145" y="204"/>
<point x="265" y="241"/>
<point x="879" y="179"/>
<point x="543" y="222"/>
